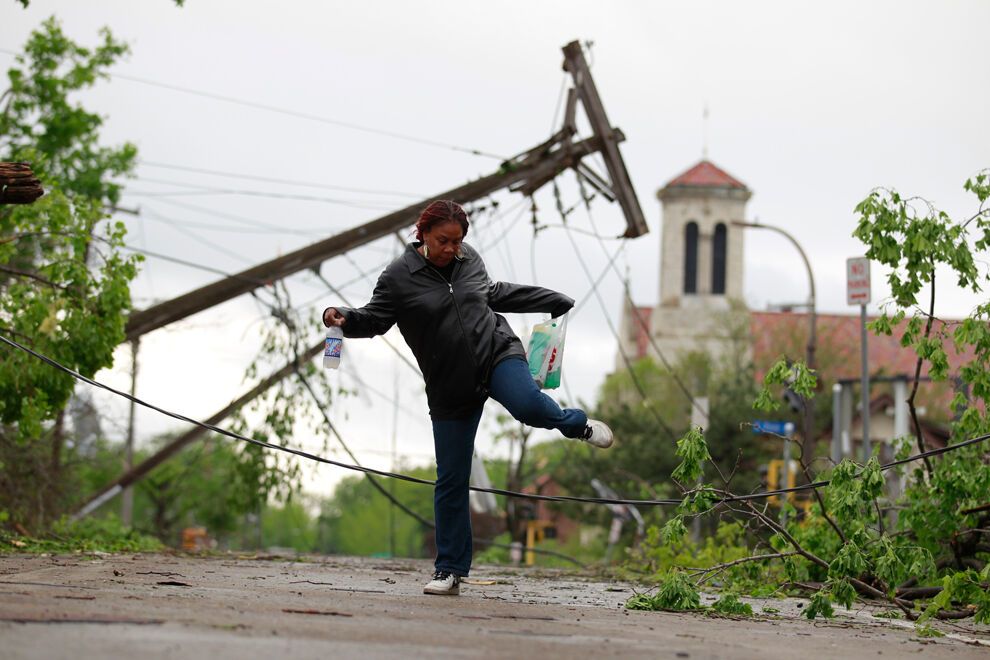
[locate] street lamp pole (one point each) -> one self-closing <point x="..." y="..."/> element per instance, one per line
<point x="813" y="324"/>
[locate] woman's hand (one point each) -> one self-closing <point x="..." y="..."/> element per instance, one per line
<point x="562" y="308"/>
<point x="331" y="317"/>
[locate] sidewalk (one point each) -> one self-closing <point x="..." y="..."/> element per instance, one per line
<point x="163" y="606"/>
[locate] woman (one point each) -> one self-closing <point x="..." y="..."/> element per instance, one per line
<point x="447" y="309"/>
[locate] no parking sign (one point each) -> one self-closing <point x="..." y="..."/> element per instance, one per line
<point x="857" y="281"/>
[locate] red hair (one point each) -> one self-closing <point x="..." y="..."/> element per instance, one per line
<point x="441" y="212"/>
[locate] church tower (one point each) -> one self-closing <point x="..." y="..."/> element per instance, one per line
<point x="701" y="263"/>
<point x="701" y="307"/>
<point x="701" y="252"/>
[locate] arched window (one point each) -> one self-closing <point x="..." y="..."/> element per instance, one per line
<point x="691" y="258"/>
<point x="718" y="259"/>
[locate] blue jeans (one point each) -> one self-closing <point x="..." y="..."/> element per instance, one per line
<point x="453" y="440"/>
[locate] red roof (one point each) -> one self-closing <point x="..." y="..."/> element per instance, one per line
<point x="839" y="335"/>
<point x="774" y="334"/>
<point x="707" y="175"/>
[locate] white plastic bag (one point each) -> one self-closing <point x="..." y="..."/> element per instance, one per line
<point x="546" y="352"/>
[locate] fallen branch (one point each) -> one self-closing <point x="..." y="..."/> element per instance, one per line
<point x="858" y="584"/>
<point x="709" y="573"/>
<point x="320" y="612"/>
<point x="818" y="496"/>
<point x="917" y="379"/>
<point x="914" y="593"/>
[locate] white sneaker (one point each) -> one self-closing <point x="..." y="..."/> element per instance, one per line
<point x="443" y="584"/>
<point x="598" y="434"/>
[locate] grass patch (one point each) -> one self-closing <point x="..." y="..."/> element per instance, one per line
<point x="86" y="535"/>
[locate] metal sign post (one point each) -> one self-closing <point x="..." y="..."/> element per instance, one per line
<point x="784" y="431"/>
<point x="858" y="293"/>
<point x="788" y="432"/>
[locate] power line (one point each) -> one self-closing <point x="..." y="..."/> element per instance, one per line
<point x="267" y="179"/>
<point x="294" y="113"/>
<point x="204" y="241"/>
<point x="595" y="283"/>
<point x="601" y="276"/>
<point x="307" y="116"/>
<point x="496" y="491"/>
<point x="374" y="482"/>
<point x="230" y="229"/>
<point x="251" y="222"/>
<point x="363" y="274"/>
<point x="229" y="216"/>
<point x="194" y="189"/>
<point x="522" y="211"/>
<point x="503" y="249"/>
<point x="300" y="115"/>
<point x="190" y="264"/>
<point x="649" y="335"/>
<point x="218" y="271"/>
<point x="625" y="358"/>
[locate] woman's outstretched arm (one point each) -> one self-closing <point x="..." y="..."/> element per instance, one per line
<point x="373" y="319"/>
<point x="522" y="298"/>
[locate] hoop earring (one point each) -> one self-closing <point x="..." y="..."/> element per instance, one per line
<point x="426" y="251"/>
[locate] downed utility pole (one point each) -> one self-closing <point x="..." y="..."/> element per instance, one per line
<point x="141" y="469"/>
<point x="525" y="174"/>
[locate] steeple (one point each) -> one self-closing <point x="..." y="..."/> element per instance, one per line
<point x="704" y="120"/>
<point x="701" y="262"/>
<point x="705" y="174"/>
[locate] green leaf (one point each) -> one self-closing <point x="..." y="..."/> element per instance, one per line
<point x="842" y="592"/>
<point x="820" y="605"/>
<point x="730" y="605"/>
<point x="676" y="593"/>
<point x="673" y="531"/>
<point x="849" y="562"/>
<point x="693" y="450"/>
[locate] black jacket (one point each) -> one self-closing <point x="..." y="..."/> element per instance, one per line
<point x="453" y="328"/>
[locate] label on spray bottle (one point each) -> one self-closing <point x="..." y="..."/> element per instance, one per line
<point x="333" y="347"/>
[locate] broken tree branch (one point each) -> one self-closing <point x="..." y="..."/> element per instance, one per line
<point x="917" y="374"/>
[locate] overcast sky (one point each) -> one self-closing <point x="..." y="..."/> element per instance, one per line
<point x="810" y="104"/>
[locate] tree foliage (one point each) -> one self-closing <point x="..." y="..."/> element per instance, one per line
<point x="210" y="484"/>
<point x="916" y="240"/>
<point x="64" y="282"/>
<point x="843" y="541"/>
<point x="356" y="519"/>
<point x="643" y="463"/>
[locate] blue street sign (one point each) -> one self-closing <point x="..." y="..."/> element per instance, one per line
<point x="777" y="428"/>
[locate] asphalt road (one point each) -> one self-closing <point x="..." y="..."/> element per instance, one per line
<point x="164" y="606"/>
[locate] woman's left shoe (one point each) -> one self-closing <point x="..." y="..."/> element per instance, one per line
<point x="443" y="584"/>
<point x="598" y="434"/>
